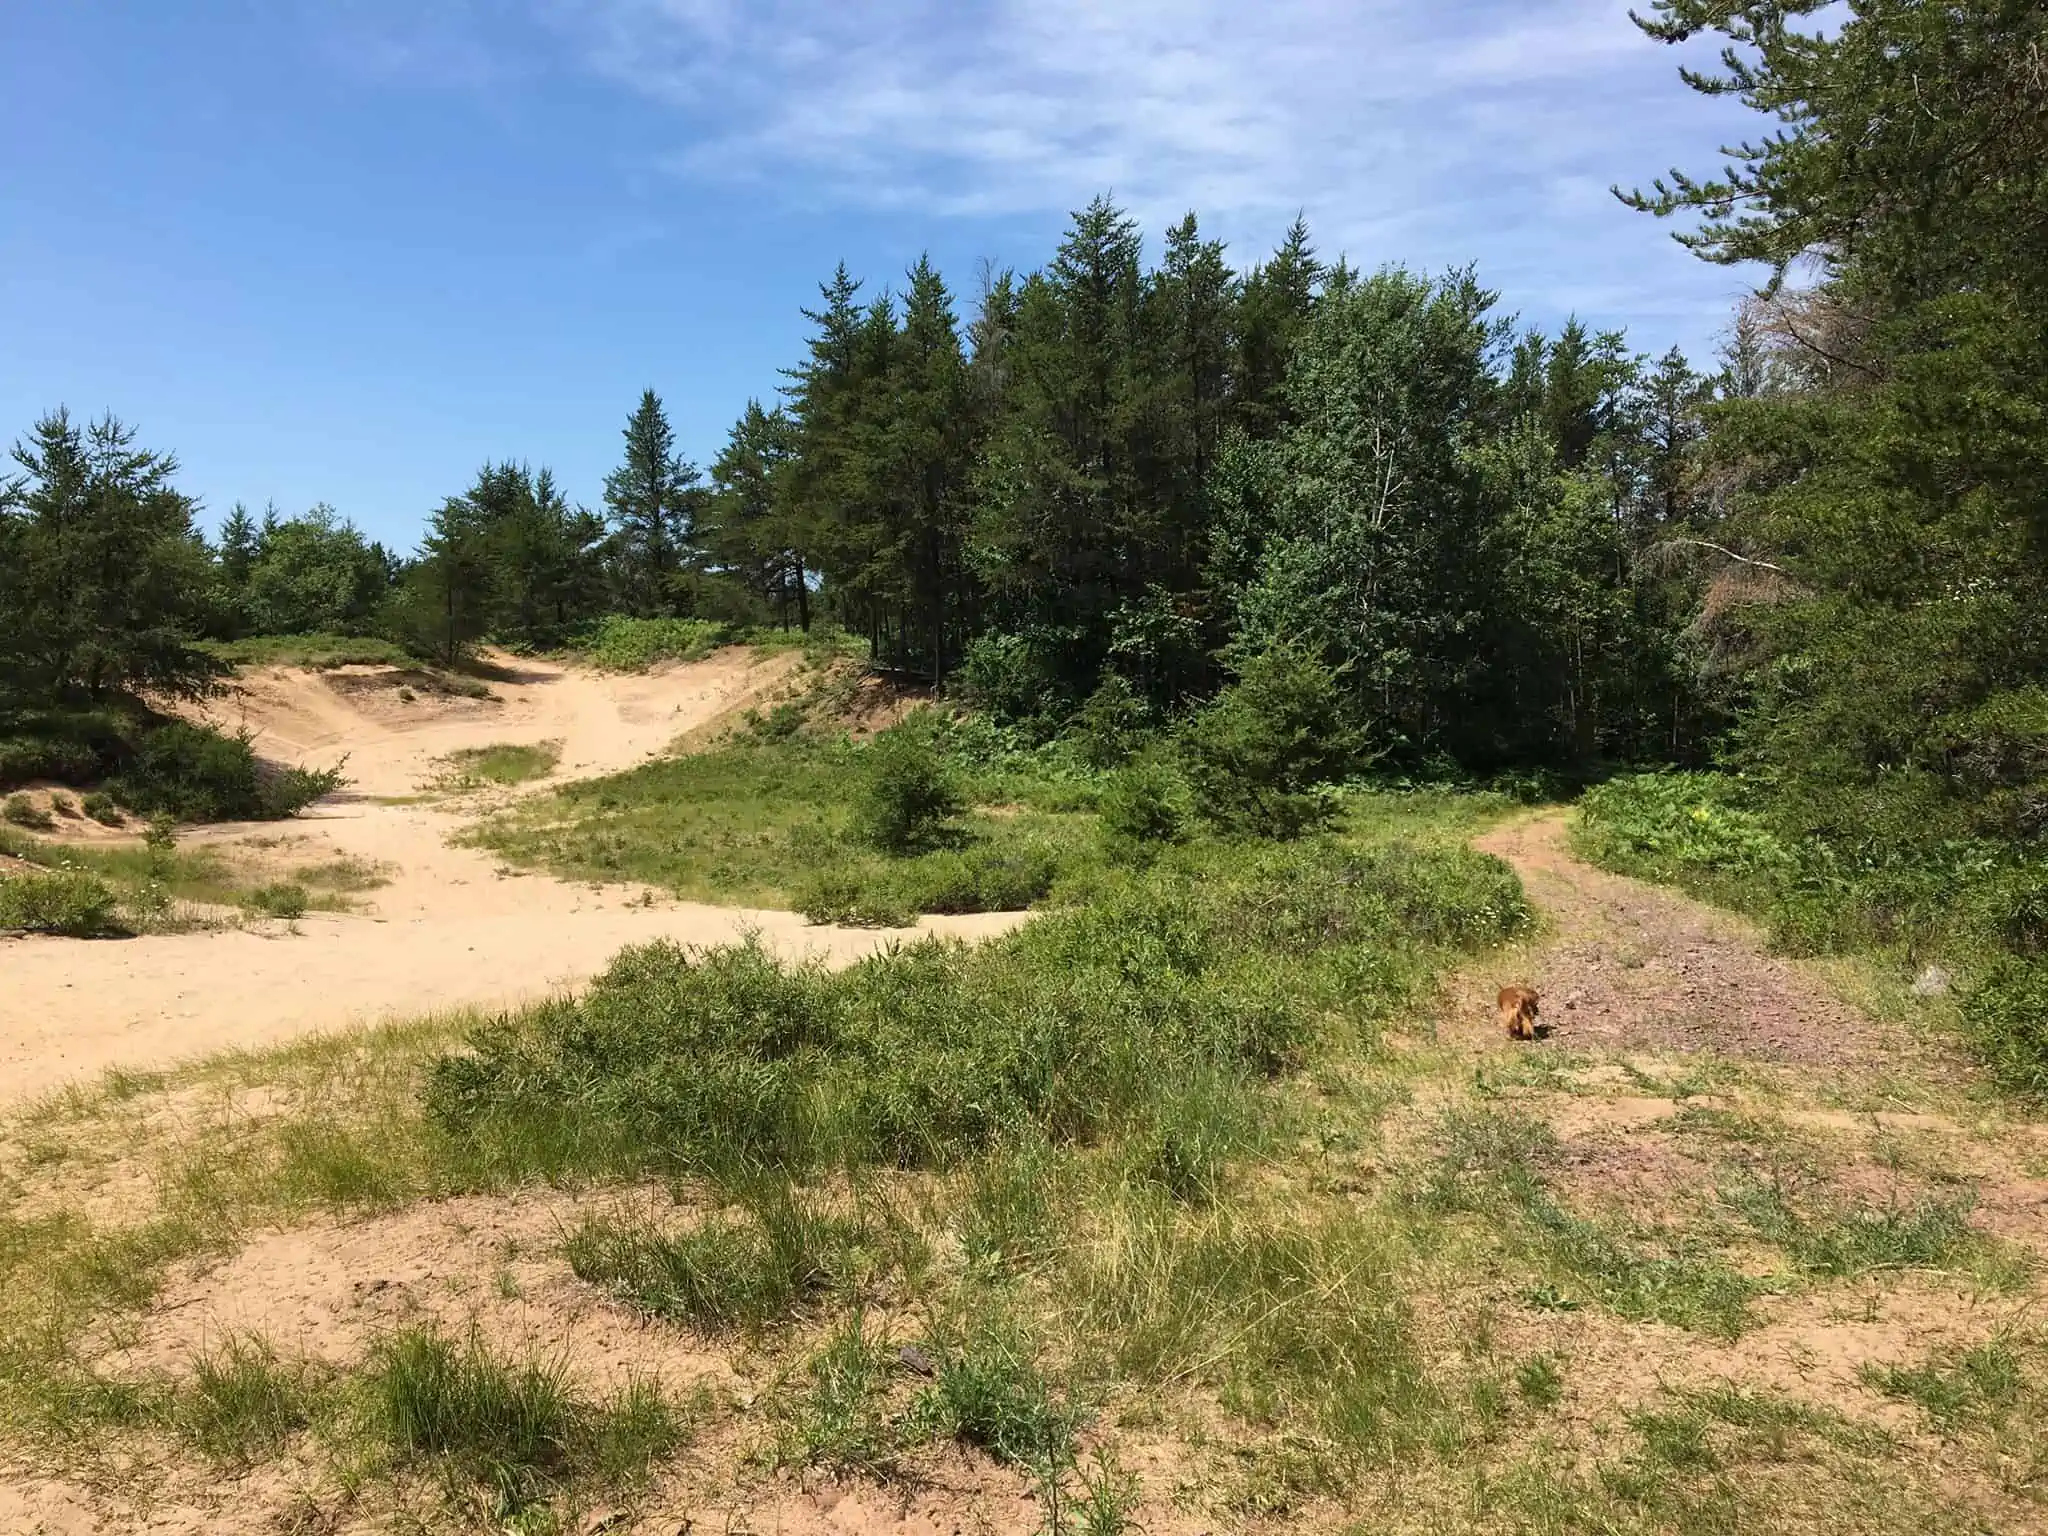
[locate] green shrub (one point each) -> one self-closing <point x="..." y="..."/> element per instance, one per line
<point x="60" y="902"/>
<point x="907" y="794"/>
<point x="1143" y="804"/>
<point x="2005" y="1017"/>
<point x="1006" y="677"/>
<point x="100" y="806"/>
<point x="193" y="773"/>
<point x="515" y="1428"/>
<point x="65" y="745"/>
<point x="985" y="877"/>
<point x="24" y="812"/>
<point x="990" y="1393"/>
<point x="286" y="899"/>
<point x="1111" y="725"/>
<point x="1136" y="1013"/>
<point x="1259" y="754"/>
<point x="850" y="896"/>
<point x="621" y="644"/>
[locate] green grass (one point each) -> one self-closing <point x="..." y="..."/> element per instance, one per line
<point x="835" y="1413"/>
<point x="147" y="886"/>
<point x="514" y="1429"/>
<point x="502" y="763"/>
<point x="317" y="651"/>
<point x="756" y="824"/>
<point x="726" y="1272"/>
<point x="1491" y="1164"/>
<point x="243" y="1403"/>
<point x="1961" y="1389"/>
<point x="1152" y="1008"/>
<point x="1834" y="1240"/>
<point x="620" y="644"/>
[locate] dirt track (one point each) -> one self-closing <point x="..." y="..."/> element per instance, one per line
<point x="448" y="931"/>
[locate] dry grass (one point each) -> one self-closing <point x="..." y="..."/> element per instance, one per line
<point x="1424" y="1280"/>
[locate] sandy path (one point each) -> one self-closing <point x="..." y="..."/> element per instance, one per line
<point x="449" y="930"/>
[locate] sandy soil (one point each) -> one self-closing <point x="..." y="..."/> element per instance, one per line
<point x="452" y="928"/>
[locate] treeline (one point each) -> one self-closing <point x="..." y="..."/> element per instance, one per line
<point x="1132" y="477"/>
<point x="1115" y="481"/>
<point x="1879" y="605"/>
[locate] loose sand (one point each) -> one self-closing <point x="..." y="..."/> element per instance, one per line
<point x="451" y="929"/>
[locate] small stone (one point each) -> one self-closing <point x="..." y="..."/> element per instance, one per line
<point x="918" y="1360"/>
<point x="1932" y="982"/>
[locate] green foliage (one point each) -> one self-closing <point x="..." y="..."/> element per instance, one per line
<point x="908" y="794"/>
<point x="990" y="1393"/>
<point x="310" y="575"/>
<point x="1493" y="1164"/>
<point x="1144" y="803"/>
<point x="1112" y="724"/>
<point x="24" y="812"/>
<point x="100" y="806"/>
<point x="2005" y="1018"/>
<point x="743" y="1272"/>
<point x="623" y="644"/>
<point x="1958" y="1389"/>
<point x="984" y="876"/>
<point x="243" y="1403"/>
<point x="1839" y="1241"/>
<point x="503" y="763"/>
<point x="1259" y="756"/>
<point x="1148" y="1010"/>
<point x="75" y="905"/>
<point x="515" y="1429"/>
<point x="284" y="899"/>
<point x="316" y="650"/>
<point x="102" y="576"/>
<point x="836" y="1415"/>
<point x="195" y="773"/>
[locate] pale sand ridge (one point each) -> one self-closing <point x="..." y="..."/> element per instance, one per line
<point x="449" y="931"/>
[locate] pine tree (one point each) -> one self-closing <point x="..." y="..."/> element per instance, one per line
<point x="237" y="546"/>
<point x="108" y="577"/>
<point x="652" y="498"/>
<point x="753" y="529"/>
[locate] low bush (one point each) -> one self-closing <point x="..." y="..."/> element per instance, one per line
<point x="59" y="902"/>
<point x="1160" y="992"/>
<point x="621" y="644"/>
<point x="908" y="793"/>
<point x="66" y="807"/>
<point x="1143" y="803"/>
<point x="193" y="773"/>
<point x="2006" y="1023"/>
<point x="286" y="899"/>
<point x="1260" y="755"/>
<point x="66" y="746"/>
<point x="990" y="1393"/>
<point x="310" y="650"/>
<point x="851" y="896"/>
<point x="24" y="812"/>
<point x="100" y="806"/>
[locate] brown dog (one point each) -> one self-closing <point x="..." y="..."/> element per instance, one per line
<point x="1518" y="1012"/>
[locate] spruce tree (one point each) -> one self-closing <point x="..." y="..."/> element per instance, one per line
<point x="652" y="499"/>
<point x="108" y="579"/>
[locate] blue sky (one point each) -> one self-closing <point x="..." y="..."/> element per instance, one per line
<point x="346" y="250"/>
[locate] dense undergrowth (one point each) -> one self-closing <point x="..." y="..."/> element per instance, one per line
<point x="1148" y="1014"/>
<point x="1974" y="908"/>
<point x="153" y="765"/>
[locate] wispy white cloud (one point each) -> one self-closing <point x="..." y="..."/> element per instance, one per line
<point x="1435" y="131"/>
